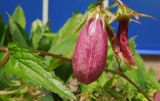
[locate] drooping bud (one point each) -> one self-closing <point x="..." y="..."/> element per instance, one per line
<point x="119" y="42"/>
<point x="122" y="40"/>
<point x="90" y="53"/>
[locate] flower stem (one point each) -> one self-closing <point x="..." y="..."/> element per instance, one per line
<point x="129" y="80"/>
<point x="6" y="57"/>
<point x="52" y="55"/>
<point x="119" y="68"/>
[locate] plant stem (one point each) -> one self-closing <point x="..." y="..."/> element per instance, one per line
<point x="119" y="68"/>
<point x="52" y="55"/>
<point x="6" y="57"/>
<point x="129" y="80"/>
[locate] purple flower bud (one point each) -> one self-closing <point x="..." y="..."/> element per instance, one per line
<point x="90" y="51"/>
<point x="122" y="40"/>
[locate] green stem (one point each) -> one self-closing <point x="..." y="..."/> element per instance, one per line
<point x="119" y="68"/>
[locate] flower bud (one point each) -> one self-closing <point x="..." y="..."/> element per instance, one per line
<point x="90" y="53"/>
<point x="122" y="41"/>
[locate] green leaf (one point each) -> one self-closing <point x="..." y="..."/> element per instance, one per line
<point x="31" y="68"/>
<point x="67" y="37"/>
<point x="101" y="81"/>
<point x="19" y="17"/>
<point x="14" y="30"/>
<point x="132" y="44"/>
<point x="140" y="71"/>
<point x="36" y="32"/>
<point x="48" y="27"/>
<point x="17" y="36"/>
<point x="5" y="78"/>
<point x="41" y="37"/>
<point x="44" y="43"/>
<point x="152" y="79"/>
<point x="88" y="88"/>
<point x="141" y="76"/>
<point x="22" y="31"/>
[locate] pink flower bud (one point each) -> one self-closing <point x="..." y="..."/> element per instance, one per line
<point x="119" y="42"/>
<point x="90" y="51"/>
<point x="156" y="96"/>
<point x="122" y="41"/>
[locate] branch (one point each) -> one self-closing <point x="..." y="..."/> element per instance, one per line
<point x="129" y="80"/>
<point x="6" y="57"/>
<point x="53" y="55"/>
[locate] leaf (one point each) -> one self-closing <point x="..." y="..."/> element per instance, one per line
<point x="140" y="71"/>
<point x="141" y="76"/>
<point x="88" y="88"/>
<point x="16" y="25"/>
<point x="17" y="36"/>
<point x="152" y="79"/>
<point x="31" y="68"/>
<point x="19" y="17"/>
<point x="40" y="36"/>
<point x="36" y="32"/>
<point x="5" y="78"/>
<point x="48" y="27"/>
<point x="132" y="44"/>
<point x="101" y="81"/>
<point x="46" y="41"/>
<point x="22" y="31"/>
<point x="137" y="75"/>
<point x="67" y="37"/>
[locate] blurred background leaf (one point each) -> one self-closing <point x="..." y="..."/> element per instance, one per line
<point x="31" y="68"/>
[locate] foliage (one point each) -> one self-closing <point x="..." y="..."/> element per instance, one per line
<point x="30" y="76"/>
